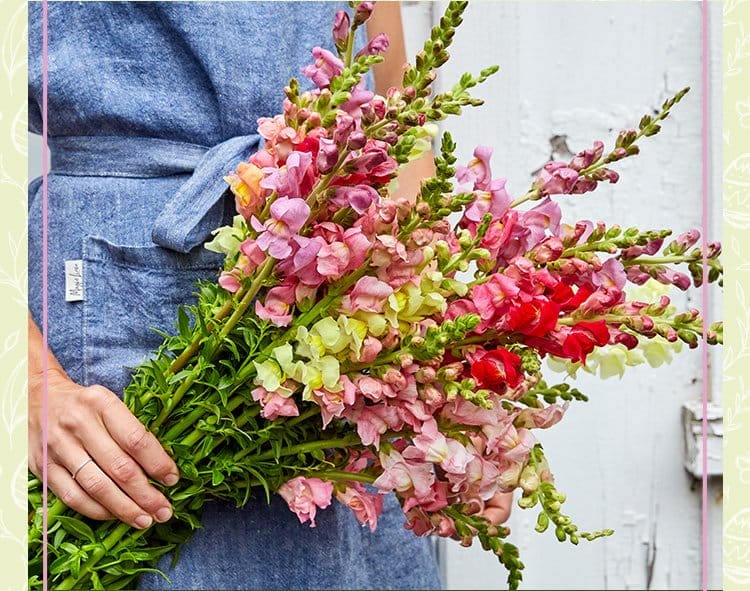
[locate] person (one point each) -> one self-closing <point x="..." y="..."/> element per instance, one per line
<point x="150" y="104"/>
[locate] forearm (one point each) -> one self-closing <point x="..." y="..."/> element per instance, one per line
<point x="36" y="360"/>
<point x="386" y="18"/>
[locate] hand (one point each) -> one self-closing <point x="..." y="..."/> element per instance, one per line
<point x="97" y="450"/>
<point x="497" y="508"/>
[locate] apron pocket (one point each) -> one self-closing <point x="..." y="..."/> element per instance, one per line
<point x="128" y="292"/>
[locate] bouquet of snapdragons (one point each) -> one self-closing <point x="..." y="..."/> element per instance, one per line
<point x="357" y="344"/>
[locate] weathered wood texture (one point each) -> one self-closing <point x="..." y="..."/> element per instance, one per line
<point x="586" y="70"/>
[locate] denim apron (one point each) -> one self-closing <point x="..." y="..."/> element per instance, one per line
<point x="150" y="105"/>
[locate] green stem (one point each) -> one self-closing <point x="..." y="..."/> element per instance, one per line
<point x="192" y="349"/>
<point x="342" y="442"/>
<point x="308" y="414"/>
<point x="347" y="57"/>
<point x="53" y="511"/>
<point x="531" y="195"/>
<point x="263" y="274"/>
<point x="658" y="260"/>
<point x="71" y="582"/>
<point x="343" y="476"/>
<point x="593" y="246"/>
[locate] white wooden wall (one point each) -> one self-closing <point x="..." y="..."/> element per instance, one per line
<point x="587" y="70"/>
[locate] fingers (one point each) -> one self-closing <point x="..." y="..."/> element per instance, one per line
<point x="117" y="481"/>
<point x="138" y="443"/>
<point x="93" y="435"/>
<point x="70" y="493"/>
<point x="99" y="487"/>
<point x="497" y="508"/>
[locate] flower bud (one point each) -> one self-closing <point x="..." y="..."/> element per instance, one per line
<point x="529" y="480"/>
<point x="341" y="29"/>
<point x="363" y="12"/>
<point x="714" y="250"/>
<point x="405" y="360"/>
<point x="344" y="126"/>
<point x="357" y="140"/>
<point x="425" y="375"/>
<point x="375" y="46"/>
<point x="432" y="396"/>
<point x="394" y="378"/>
<point x="328" y="155"/>
<point x="684" y="241"/>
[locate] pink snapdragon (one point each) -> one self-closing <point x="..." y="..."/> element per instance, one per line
<point x="361" y="100"/>
<point x="557" y="178"/>
<point x="586" y="158"/>
<point x="542" y="220"/>
<point x="341" y="28"/>
<point x="366" y="507"/>
<point x="333" y="404"/>
<point x="514" y="444"/>
<point x="277" y="305"/>
<point x="373" y="421"/>
<point x="345" y="250"/>
<point x="478" y="170"/>
<point x="541" y="418"/>
<point x="303" y="266"/>
<point x="438" y="449"/>
<point x="288" y="216"/>
<point x="368" y="294"/>
<point x="495" y="201"/>
<point x="228" y="280"/>
<point x="358" y="197"/>
<point x="296" y="177"/>
<point x="374" y="163"/>
<point x="479" y="480"/>
<point x="305" y="495"/>
<point x="325" y="67"/>
<point x="274" y="404"/>
<point x="402" y="475"/>
<point x="378" y="44"/>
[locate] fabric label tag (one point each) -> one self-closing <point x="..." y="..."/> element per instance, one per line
<point x="73" y="281"/>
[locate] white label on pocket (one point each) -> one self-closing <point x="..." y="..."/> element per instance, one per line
<point x="73" y="281"/>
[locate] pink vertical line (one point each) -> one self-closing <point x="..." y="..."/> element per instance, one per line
<point x="44" y="293"/>
<point x="704" y="290"/>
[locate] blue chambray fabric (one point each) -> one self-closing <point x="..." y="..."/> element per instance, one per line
<point x="150" y="104"/>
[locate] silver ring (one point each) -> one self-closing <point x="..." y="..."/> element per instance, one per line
<point x="74" y="474"/>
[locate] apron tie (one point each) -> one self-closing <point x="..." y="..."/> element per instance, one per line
<point x="196" y="209"/>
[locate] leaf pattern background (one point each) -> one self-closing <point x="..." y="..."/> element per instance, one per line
<point x="13" y="172"/>
<point x="13" y="53"/>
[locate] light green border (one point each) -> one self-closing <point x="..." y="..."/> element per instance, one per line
<point x="736" y="240"/>
<point x="13" y="173"/>
<point x="736" y="147"/>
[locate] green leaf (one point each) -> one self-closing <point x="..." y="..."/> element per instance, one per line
<point x="159" y="376"/>
<point x="96" y="582"/>
<point x="183" y="322"/>
<point x="69" y="548"/>
<point x="136" y="555"/>
<point x="216" y="477"/>
<point x="188" y="470"/>
<point x="179" y="376"/>
<point x="78" y="528"/>
<point x="58" y="538"/>
<point x="62" y="564"/>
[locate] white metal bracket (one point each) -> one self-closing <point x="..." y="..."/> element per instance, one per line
<point x="692" y="419"/>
